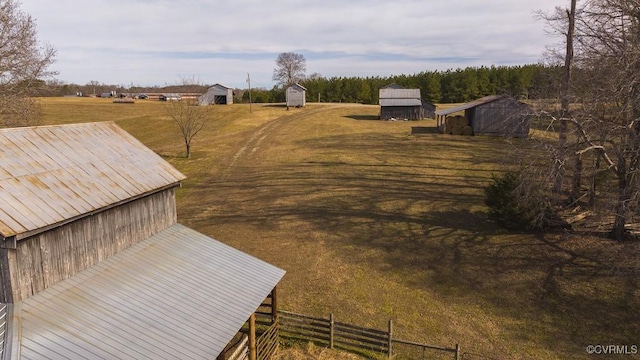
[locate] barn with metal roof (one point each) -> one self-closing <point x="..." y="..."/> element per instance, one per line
<point x="217" y="94"/>
<point x="93" y="262"/>
<point x="492" y="115"/>
<point x="396" y="102"/>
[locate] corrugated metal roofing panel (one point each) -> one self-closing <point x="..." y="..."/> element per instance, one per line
<point x="176" y="295"/>
<point x="400" y="102"/>
<point x="469" y="105"/>
<point x="392" y="93"/>
<point x="54" y="173"/>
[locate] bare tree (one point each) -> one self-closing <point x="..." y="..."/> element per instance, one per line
<point x="290" y="68"/>
<point x="23" y="65"/>
<point x="609" y="123"/>
<point x="605" y="127"/>
<point x="190" y="118"/>
<point x="562" y="21"/>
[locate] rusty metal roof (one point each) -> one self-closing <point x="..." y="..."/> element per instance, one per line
<point x="177" y="295"/>
<point x="51" y="174"/>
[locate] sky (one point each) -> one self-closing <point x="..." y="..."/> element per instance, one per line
<point x="168" y="42"/>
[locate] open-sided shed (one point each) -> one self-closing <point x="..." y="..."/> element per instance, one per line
<point x="217" y="95"/>
<point x="296" y="95"/>
<point x="93" y="262"/>
<point x="492" y="115"/>
<point x="396" y="102"/>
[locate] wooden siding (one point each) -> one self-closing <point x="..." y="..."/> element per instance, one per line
<point x="502" y="117"/>
<point x="401" y="112"/>
<point x="52" y="256"/>
<point x="296" y="96"/>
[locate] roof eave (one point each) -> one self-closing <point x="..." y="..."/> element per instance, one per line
<point x="11" y="241"/>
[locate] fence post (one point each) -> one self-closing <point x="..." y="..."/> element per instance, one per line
<point x="252" y="337"/>
<point x="457" y="351"/>
<point x="390" y="353"/>
<point x="331" y="331"/>
<point x="274" y="304"/>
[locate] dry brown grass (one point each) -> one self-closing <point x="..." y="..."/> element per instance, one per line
<point x="373" y="223"/>
<point x="313" y="352"/>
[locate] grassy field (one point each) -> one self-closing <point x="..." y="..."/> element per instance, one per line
<point x="373" y="223"/>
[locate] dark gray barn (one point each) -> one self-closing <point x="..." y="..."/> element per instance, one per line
<point x="397" y="102"/>
<point x="499" y="115"/>
<point x="93" y="263"/>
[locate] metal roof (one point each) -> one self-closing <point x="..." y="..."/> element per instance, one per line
<point x="469" y="105"/>
<point x="400" y="102"/>
<point x="296" y="85"/>
<point x="50" y="174"/>
<point x="177" y="295"/>
<point x="393" y="93"/>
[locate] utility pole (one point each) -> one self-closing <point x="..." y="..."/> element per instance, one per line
<point x="249" y="82"/>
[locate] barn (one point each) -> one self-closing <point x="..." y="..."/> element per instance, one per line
<point x="217" y="95"/>
<point x="499" y="115"/>
<point x="296" y="95"/>
<point x="93" y="263"/>
<point x="396" y="102"/>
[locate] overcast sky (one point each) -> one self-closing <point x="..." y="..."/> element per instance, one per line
<point x="162" y="42"/>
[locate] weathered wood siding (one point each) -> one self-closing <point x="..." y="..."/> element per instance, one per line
<point x="503" y="117"/>
<point x="50" y="257"/>
<point x="401" y="112"/>
<point x="296" y="96"/>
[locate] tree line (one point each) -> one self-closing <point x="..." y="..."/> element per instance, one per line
<point x="450" y="86"/>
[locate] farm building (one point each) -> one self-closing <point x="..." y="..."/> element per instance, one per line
<point x="296" y="95"/>
<point x="217" y="95"/>
<point x="396" y="102"/>
<point x="93" y="262"/>
<point x="491" y="115"/>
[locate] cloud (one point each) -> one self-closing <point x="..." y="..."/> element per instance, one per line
<point x="158" y="42"/>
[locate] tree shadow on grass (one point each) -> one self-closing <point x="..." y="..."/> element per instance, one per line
<point x="416" y="219"/>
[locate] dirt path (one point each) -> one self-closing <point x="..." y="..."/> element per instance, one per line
<point x="256" y="139"/>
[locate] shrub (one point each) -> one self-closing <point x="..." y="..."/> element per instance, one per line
<point x="516" y="203"/>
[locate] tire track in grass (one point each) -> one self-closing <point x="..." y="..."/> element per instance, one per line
<point x="256" y="140"/>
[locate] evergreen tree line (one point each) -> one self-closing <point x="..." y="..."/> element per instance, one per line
<point x="451" y="86"/>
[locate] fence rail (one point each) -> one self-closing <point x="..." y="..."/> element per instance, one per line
<point x="267" y="343"/>
<point x="347" y="336"/>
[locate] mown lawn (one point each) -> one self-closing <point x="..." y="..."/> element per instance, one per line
<point x="373" y="223"/>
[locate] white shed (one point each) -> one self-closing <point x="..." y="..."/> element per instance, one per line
<point x="296" y="95"/>
<point x="217" y="95"/>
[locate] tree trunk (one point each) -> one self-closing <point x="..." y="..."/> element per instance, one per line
<point x="622" y="205"/>
<point x="560" y="169"/>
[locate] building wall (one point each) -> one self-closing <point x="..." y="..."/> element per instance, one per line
<point x="52" y="256"/>
<point x="503" y="117"/>
<point x="296" y="97"/>
<point x="401" y="112"/>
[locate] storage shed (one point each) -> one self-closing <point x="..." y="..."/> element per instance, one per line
<point x="396" y="102"/>
<point x="93" y="263"/>
<point x="499" y="115"/>
<point x="296" y="95"/>
<point x="217" y="95"/>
